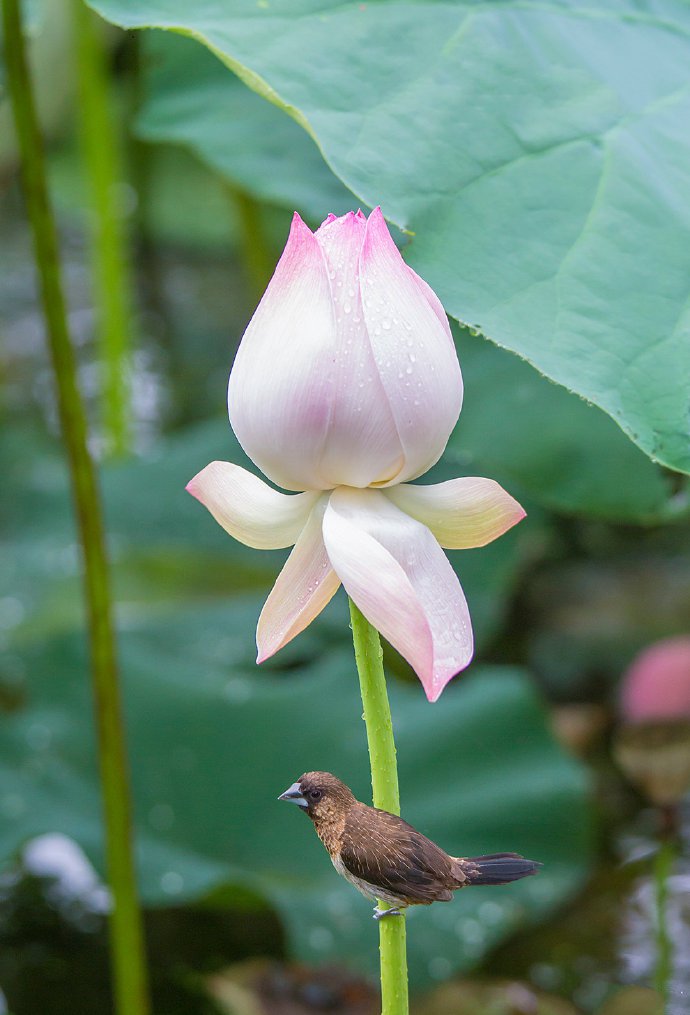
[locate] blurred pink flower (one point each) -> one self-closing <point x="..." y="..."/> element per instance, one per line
<point x="346" y="385"/>
<point x="656" y="686"/>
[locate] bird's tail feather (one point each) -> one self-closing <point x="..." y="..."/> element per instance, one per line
<point x="496" y="868"/>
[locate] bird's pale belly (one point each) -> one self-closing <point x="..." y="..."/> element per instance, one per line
<point x="371" y="891"/>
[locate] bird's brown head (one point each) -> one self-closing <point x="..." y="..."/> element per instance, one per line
<point x="321" y="795"/>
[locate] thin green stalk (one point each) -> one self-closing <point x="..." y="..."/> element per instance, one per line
<point x="109" y="257"/>
<point x="126" y="935"/>
<point x="384" y="783"/>
<point x="663" y="866"/>
<point x="258" y="259"/>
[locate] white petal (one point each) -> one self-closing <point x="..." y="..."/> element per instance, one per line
<point x="413" y="350"/>
<point x="432" y="299"/>
<point x="397" y="574"/>
<point x="280" y="394"/>
<point x="304" y="586"/>
<point x="249" y="509"/>
<point x="461" y="513"/>
<point x="362" y="446"/>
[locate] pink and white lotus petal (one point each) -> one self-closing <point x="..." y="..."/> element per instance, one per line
<point x="362" y="446"/>
<point x="395" y="571"/>
<point x="461" y="513"/>
<point x="432" y="299"/>
<point x="414" y="352"/>
<point x="304" y="586"/>
<point x="249" y="509"/>
<point x="281" y="384"/>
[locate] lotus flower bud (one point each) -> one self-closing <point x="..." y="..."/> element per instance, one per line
<point x="347" y="374"/>
<point x="345" y="386"/>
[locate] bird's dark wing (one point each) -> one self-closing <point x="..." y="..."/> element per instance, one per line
<point x="386" y="852"/>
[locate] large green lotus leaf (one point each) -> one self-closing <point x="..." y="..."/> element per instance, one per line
<point x="539" y="153"/>
<point x="190" y="99"/>
<point x="213" y="741"/>
<point x="545" y="444"/>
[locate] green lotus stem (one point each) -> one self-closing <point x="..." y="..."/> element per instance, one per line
<point x="663" y="865"/>
<point x="109" y="255"/>
<point x="384" y="784"/>
<point x="258" y="259"/>
<point x="126" y="934"/>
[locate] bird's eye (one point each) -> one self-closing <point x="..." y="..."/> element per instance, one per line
<point x="315" y="794"/>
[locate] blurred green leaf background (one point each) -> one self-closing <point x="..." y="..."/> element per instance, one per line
<point x="534" y="160"/>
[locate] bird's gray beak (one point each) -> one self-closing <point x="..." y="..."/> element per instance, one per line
<point x="293" y="794"/>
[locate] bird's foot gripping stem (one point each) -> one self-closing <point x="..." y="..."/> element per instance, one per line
<point x="381" y="914"/>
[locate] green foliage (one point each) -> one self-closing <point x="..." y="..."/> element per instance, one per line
<point x="546" y="445"/>
<point x="536" y="154"/>
<point x="49" y="41"/>
<point x="213" y="739"/>
<point x="579" y="462"/>
<point x="192" y="100"/>
<point x="536" y="151"/>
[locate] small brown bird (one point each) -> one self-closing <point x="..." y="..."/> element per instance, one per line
<point x="385" y="858"/>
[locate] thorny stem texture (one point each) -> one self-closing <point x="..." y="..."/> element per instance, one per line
<point x="126" y="934"/>
<point x="384" y="783"/>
